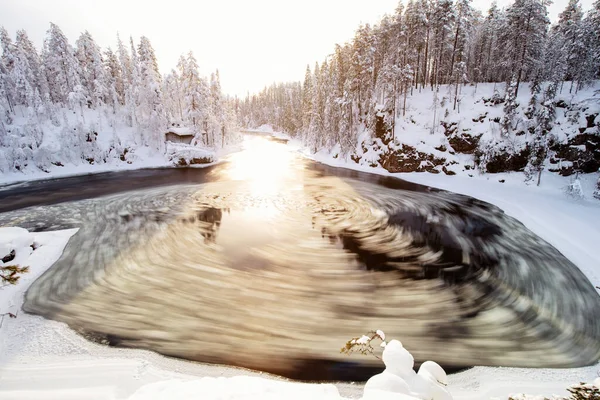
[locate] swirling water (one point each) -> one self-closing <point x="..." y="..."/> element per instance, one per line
<point x="270" y="261"/>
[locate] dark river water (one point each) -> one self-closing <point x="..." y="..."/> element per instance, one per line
<point x="272" y="262"/>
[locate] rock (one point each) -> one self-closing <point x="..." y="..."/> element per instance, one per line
<point x="504" y="162"/>
<point x="9" y="257"/>
<point x="582" y="152"/>
<point x="591" y="120"/>
<point x="194" y="161"/>
<point x="464" y="143"/>
<point x="481" y="118"/>
<point x="447" y="171"/>
<point x="399" y="378"/>
<point x="561" y="104"/>
<point x="449" y="127"/>
<point x="382" y="131"/>
<point x="408" y="159"/>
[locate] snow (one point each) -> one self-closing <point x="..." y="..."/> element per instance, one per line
<point x="363" y="340"/>
<point x="399" y="377"/>
<point x="180" y="151"/>
<point x="266" y="128"/>
<point x="180" y="131"/>
<point x="236" y="388"/>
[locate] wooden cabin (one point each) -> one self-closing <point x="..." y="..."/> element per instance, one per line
<point x="179" y="135"/>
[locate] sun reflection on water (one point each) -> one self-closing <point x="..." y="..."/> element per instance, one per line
<point x="263" y="166"/>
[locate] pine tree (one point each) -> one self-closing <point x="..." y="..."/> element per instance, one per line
<point x="591" y="36"/>
<point x="151" y="107"/>
<point x="115" y="83"/>
<point x="60" y="64"/>
<point x="545" y="117"/>
<point x="307" y="99"/>
<point x="196" y="99"/>
<point x="7" y="83"/>
<point x="524" y="37"/>
<point x="572" y="39"/>
<point x="510" y="109"/>
<point x="417" y="28"/>
<point x="443" y="21"/>
<point x="37" y="78"/>
<point x="130" y="63"/>
<point x="91" y="66"/>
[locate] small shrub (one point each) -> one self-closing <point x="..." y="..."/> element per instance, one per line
<point x="10" y="274"/>
<point x="363" y="345"/>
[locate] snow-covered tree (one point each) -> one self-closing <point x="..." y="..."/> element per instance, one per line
<point x="545" y="117"/>
<point x="591" y="33"/>
<point x="524" y="37"/>
<point x="115" y="83"/>
<point x="597" y="190"/>
<point x="570" y="34"/>
<point x="196" y="99"/>
<point x="92" y="71"/>
<point x="60" y="64"/>
<point x="510" y="109"/>
<point x="151" y="107"/>
<point x="37" y="79"/>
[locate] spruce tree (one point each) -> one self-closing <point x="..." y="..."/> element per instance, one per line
<point x="60" y="64"/>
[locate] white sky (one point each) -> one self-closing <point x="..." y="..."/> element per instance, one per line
<point x="252" y="42"/>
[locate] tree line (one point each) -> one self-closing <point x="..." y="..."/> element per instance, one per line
<point x="124" y="85"/>
<point x="425" y="44"/>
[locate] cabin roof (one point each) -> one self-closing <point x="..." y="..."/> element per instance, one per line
<point x="179" y="131"/>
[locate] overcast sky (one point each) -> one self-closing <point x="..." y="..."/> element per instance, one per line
<point x="252" y="42"/>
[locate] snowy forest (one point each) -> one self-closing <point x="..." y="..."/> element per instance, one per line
<point x="82" y="104"/>
<point x="438" y="79"/>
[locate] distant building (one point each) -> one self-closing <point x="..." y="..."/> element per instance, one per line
<point x="179" y="135"/>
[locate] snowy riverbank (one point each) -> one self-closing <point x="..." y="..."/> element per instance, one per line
<point x="144" y="159"/>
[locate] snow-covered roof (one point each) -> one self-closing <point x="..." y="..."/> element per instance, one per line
<point x="180" y="131"/>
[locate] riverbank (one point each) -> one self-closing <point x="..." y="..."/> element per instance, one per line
<point x="144" y="159"/>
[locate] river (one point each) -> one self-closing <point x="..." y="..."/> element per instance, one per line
<point x="271" y="261"/>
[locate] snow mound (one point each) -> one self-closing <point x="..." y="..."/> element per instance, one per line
<point x="185" y="154"/>
<point x="400" y="382"/>
<point x="15" y="243"/>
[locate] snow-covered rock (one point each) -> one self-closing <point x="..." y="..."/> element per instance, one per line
<point x="184" y="154"/>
